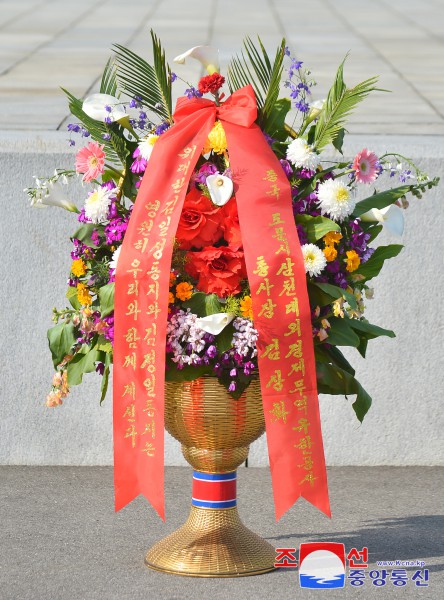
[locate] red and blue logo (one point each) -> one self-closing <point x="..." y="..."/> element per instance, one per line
<point x="322" y="565"/>
<point x="214" y="490"/>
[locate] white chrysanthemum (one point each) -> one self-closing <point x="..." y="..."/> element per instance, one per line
<point x="146" y="146"/>
<point x="335" y="199"/>
<point x="314" y="259"/>
<point x="97" y="204"/>
<point x="300" y="154"/>
<point x="115" y="258"/>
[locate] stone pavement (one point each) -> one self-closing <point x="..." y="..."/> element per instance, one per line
<point x="45" y="44"/>
<point x="60" y="539"/>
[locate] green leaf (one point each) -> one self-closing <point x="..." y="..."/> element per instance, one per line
<point x="381" y="200"/>
<point x="203" y="305"/>
<point x="371" y="331"/>
<point x="316" y="227"/>
<point x="374" y="264"/>
<point x="104" y="345"/>
<point x="61" y="338"/>
<point x="339" y="140"/>
<point x="108" y="85"/>
<point x="84" y="232"/>
<point x="188" y="373"/>
<point x="106" y="298"/>
<point x="224" y="341"/>
<point x="332" y="354"/>
<point x="105" y="378"/>
<point x="335" y="292"/>
<point x="340" y="102"/>
<point x="275" y="126"/>
<point x="334" y="380"/>
<point x="151" y="83"/>
<point x="81" y="364"/>
<point x="71" y="294"/>
<point x="341" y="334"/>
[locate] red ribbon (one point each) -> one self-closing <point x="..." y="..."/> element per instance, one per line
<point x="281" y="307"/>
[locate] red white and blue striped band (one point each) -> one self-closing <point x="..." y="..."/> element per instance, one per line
<point x="214" y="490"/>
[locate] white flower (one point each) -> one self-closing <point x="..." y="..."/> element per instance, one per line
<point x="207" y="55"/>
<point x="115" y="258"/>
<point x="220" y="188"/>
<point x="300" y="154"/>
<point x="146" y="146"/>
<point x="335" y="199"/>
<point x="52" y="194"/>
<point x="391" y="217"/>
<point x="103" y="107"/>
<point x="315" y="110"/>
<point x="97" y="204"/>
<point x="314" y="259"/>
<point x="214" y="324"/>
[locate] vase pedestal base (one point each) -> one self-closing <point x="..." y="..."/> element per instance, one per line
<point x="212" y="543"/>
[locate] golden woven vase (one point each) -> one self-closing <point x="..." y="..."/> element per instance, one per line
<point x="215" y="432"/>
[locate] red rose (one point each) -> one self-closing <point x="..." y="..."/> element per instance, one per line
<point x="199" y="223"/>
<point x="211" y="83"/>
<point x="230" y="225"/>
<point x="217" y="270"/>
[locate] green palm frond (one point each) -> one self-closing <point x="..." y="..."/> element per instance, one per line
<point x="255" y="67"/>
<point x="115" y="147"/>
<point x="108" y="85"/>
<point x="340" y="102"/>
<point x="152" y="83"/>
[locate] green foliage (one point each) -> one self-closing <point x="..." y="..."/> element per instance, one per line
<point x="372" y="267"/>
<point x="335" y="292"/>
<point x="151" y="83"/>
<point x="275" y="126"/>
<point x="61" y="338"/>
<point x="108" y="85"/>
<point x="105" y="377"/>
<point x="224" y="341"/>
<point x="203" y="305"/>
<point x="316" y="227"/>
<point x="71" y="294"/>
<point x="106" y="298"/>
<point x="188" y="373"/>
<point x="255" y="67"/>
<point x="383" y="199"/>
<point x="340" y="102"/>
<point x="83" y="362"/>
<point x="341" y="334"/>
<point x="336" y="381"/>
<point x="84" y="233"/>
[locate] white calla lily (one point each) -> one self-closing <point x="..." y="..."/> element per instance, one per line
<point x="214" y="324"/>
<point x="95" y="106"/>
<point x="220" y="188"/>
<point x="54" y="195"/>
<point x="391" y="217"/>
<point x="207" y="55"/>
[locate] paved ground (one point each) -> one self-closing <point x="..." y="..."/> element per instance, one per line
<point x="48" y="43"/>
<point x="60" y="539"/>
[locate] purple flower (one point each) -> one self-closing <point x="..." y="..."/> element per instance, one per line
<point x="205" y="170"/>
<point x="232" y="387"/>
<point x="302" y="106"/>
<point x="173" y="77"/>
<point x="71" y="143"/>
<point x="162" y="128"/>
<point x="303" y="239"/>
<point x="192" y="92"/>
<point x="233" y="373"/>
<point x="106" y="137"/>
<point x="100" y="368"/>
<point x="75" y="127"/>
<point x="211" y="351"/>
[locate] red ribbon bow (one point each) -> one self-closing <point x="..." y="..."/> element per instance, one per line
<point x="281" y="309"/>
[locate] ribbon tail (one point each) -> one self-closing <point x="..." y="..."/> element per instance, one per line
<point x="282" y="316"/>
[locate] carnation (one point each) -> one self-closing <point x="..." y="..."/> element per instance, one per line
<point x="300" y="154"/>
<point x="335" y="199"/>
<point x="97" y="204"/>
<point x="211" y="83"/>
<point x="314" y="259"/>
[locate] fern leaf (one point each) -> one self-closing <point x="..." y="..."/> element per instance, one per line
<point x="108" y="85"/>
<point x="340" y="103"/>
<point x="138" y="78"/>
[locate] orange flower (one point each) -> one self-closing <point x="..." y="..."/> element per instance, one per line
<point x="353" y="261"/>
<point x="332" y="237"/>
<point x="78" y="267"/>
<point x="330" y="253"/>
<point x="83" y="295"/>
<point x="171" y="298"/>
<point x="246" y="307"/>
<point x="172" y="279"/>
<point x="184" y="291"/>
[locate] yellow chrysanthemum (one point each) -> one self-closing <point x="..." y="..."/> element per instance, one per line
<point x="353" y="261"/>
<point x="78" y="267"/>
<point x="246" y="307"/>
<point x="83" y="295"/>
<point x="330" y="253"/>
<point x="216" y="140"/>
<point x="184" y="291"/>
<point x="332" y="237"/>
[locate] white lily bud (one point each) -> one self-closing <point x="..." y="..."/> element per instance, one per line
<point x="55" y="196"/>
<point x="207" y="55"/>
<point x="214" y="324"/>
<point x="391" y="217"/>
<point x="220" y="188"/>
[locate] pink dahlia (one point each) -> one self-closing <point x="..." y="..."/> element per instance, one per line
<point x="365" y="166"/>
<point x="90" y="160"/>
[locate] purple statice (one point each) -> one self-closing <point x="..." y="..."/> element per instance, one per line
<point x="106" y="137"/>
<point x="74" y="127"/>
<point x="162" y="128"/>
<point x="192" y="92"/>
<point x="302" y="235"/>
<point x="139" y="164"/>
<point x="205" y="170"/>
<point x="286" y="166"/>
<point x="303" y="106"/>
<point x="173" y="77"/>
<point x="185" y="341"/>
